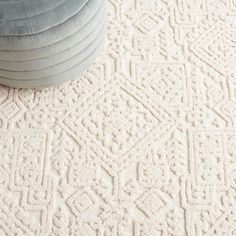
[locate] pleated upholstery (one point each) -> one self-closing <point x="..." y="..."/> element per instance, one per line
<point x="16" y="21"/>
<point x="44" y="43"/>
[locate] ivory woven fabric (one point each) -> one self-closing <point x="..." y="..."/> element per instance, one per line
<point x="143" y="144"/>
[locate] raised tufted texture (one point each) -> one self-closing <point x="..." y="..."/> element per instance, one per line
<point x="47" y="42"/>
<point x="142" y="144"/>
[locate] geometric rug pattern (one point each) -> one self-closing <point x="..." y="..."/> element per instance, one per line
<point x="143" y="143"/>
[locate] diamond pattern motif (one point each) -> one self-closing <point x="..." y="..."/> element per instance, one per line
<point x="142" y="144"/>
<point x="217" y="47"/>
<point x="118" y="121"/>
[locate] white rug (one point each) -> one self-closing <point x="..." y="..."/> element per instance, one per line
<point x="143" y="144"/>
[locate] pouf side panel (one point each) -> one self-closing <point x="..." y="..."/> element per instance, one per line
<point x="56" y="69"/>
<point x="54" y="80"/>
<point x="65" y="54"/>
<point x="52" y="49"/>
<point x="42" y="22"/>
<point x="55" y="34"/>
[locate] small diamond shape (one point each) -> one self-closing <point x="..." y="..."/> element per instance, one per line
<point x="153" y="202"/>
<point x="217" y="47"/>
<point x="147" y="23"/>
<point x="80" y="202"/>
<point x="10" y="110"/>
<point x="83" y="202"/>
<point x="229" y="108"/>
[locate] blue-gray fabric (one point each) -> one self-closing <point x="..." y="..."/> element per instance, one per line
<point x="49" y="51"/>
<point x="53" y="80"/>
<point x="32" y="17"/>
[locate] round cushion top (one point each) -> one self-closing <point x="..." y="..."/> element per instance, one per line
<point x="27" y="17"/>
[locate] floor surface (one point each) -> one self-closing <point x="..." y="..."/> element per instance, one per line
<point x="143" y="144"/>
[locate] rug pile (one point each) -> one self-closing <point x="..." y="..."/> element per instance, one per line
<point x="143" y="144"/>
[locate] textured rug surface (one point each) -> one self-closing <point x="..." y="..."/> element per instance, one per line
<point x="143" y="144"/>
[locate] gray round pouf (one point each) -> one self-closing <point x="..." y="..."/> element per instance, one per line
<point x="47" y="42"/>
